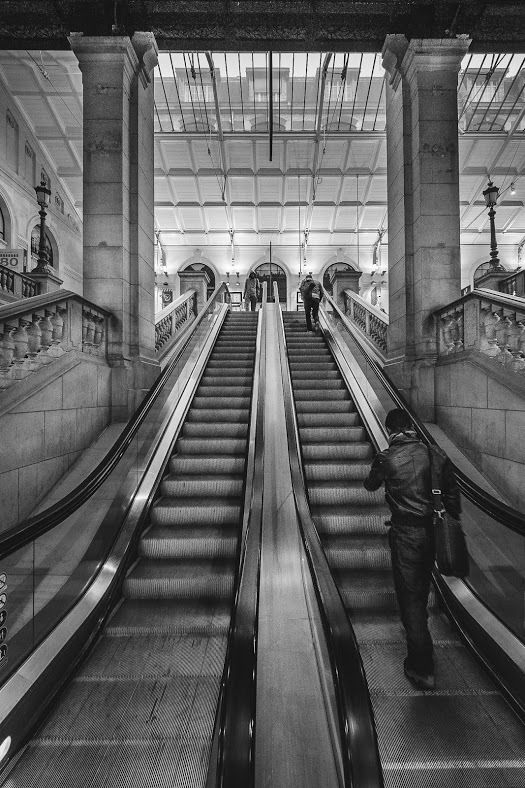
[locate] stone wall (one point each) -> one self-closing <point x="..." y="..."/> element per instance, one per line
<point x="46" y="421"/>
<point x="481" y="406"/>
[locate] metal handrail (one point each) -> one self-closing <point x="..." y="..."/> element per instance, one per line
<point x="233" y="750"/>
<point x="501" y="512"/>
<point x="24" y="533"/>
<point x="361" y="761"/>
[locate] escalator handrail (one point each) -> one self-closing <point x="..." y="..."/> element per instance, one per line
<point x="505" y="515"/>
<point x="26" y="531"/>
<point x="235" y="722"/>
<point x="361" y="761"/>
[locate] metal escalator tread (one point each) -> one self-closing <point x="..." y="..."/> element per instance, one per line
<point x="141" y="709"/>
<point x="462" y="734"/>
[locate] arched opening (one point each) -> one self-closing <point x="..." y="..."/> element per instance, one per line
<point x="327" y="284"/>
<point x="270" y="273"/>
<point x="35" y="243"/>
<point x="2" y="226"/>
<point x="211" y="275"/>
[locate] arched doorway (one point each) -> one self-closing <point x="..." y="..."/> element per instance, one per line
<point x="327" y="284"/>
<point x="211" y="275"/>
<point x="270" y="273"/>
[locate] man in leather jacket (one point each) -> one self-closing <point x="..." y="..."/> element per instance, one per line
<point x="404" y="468"/>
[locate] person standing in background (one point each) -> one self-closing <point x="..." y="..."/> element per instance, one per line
<point x="311" y="292"/>
<point x="251" y="292"/>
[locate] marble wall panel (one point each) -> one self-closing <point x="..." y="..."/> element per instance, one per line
<point x="22" y="436"/>
<point x="8" y="499"/>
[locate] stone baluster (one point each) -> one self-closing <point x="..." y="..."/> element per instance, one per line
<point x="458" y="332"/>
<point x="516" y="345"/>
<point x="34" y="333"/>
<point x="21" y="340"/>
<point x="447" y="333"/>
<point x="502" y="332"/>
<point x="46" y="337"/>
<point x="488" y="338"/>
<point x="57" y="336"/>
<point x="7" y="349"/>
<point x="88" y="330"/>
<point x="98" y="337"/>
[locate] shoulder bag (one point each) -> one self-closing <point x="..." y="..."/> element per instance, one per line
<point x="451" y="548"/>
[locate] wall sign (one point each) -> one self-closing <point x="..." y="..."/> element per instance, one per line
<point x="13" y="259"/>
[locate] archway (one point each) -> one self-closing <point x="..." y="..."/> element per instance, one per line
<point x="270" y="273"/>
<point x="327" y="284"/>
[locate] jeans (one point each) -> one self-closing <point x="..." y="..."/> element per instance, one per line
<point x="313" y="308"/>
<point x="412" y="549"/>
<point x="251" y="303"/>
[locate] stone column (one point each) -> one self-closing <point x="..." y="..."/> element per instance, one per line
<point x="423" y="203"/>
<point x="118" y="201"/>
<point x="344" y="280"/>
<point x="195" y="280"/>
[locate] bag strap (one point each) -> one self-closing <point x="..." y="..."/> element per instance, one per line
<point x="434" y="481"/>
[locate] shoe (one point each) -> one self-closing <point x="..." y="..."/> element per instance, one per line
<point x="423" y="682"/>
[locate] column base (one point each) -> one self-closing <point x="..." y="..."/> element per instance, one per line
<point x="47" y="281"/>
<point x="415" y="381"/>
<point x="131" y="380"/>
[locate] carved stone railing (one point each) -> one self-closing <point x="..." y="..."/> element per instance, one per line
<point x="487" y="321"/>
<point x="14" y="285"/>
<point x="40" y="329"/>
<point x="513" y="284"/>
<point x="372" y="322"/>
<point x="173" y="318"/>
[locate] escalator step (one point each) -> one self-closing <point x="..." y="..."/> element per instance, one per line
<point x="165" y="543"/>
<point x="220" y="402"/>
<point x="232" y="415"/>
<point x="195" y="429"/>
<point x="306" y="366"/>
<point x="205" y="487"/>
<point x="216" y="392"/>
<point x="335" y="452"/>
<point x="349" y="523"/>
<point x="346" y="556"/>
<point x="212" y="466"/>
<point x="331" y="435"/>
<point x="143" y="617"/>
<point x="343" y="471"/>
<point x="226" y="380"/>
<point x="171" y="512"/>
<point x="328" y="419"/>
<point x="350" y="494"/>
<point x="208" y="447"/>
<point x="319" y="406"/>
<point x="163" y="584"/>
<point x="322" y="382"/>
<point x="318" y="394"/>
<point x="306" y="374"/>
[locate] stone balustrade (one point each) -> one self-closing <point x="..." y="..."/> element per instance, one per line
<point x="42" y="328"/>
<point x="14" y="285"/>
<point x="173" y="318"/>
<point x="488" y="321"/>
<point x="370" y="320"/>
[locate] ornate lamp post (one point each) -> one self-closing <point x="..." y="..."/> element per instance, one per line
<point x="491" y="194"/>
<point x="42" y="195"/>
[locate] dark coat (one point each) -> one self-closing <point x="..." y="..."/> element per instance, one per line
<point x="308" y="288"/>
<point x="405" y="470"/>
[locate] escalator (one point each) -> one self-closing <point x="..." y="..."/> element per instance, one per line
<point x="462" y="734"/>
<point x="141" y="709"/>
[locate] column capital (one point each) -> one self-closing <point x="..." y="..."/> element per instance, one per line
<point x="394" y="49"/>
<point x="435" y="54"/>
<point x="147" y="51"/>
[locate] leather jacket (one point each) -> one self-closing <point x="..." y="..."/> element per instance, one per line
<point x="405" y="469"/>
